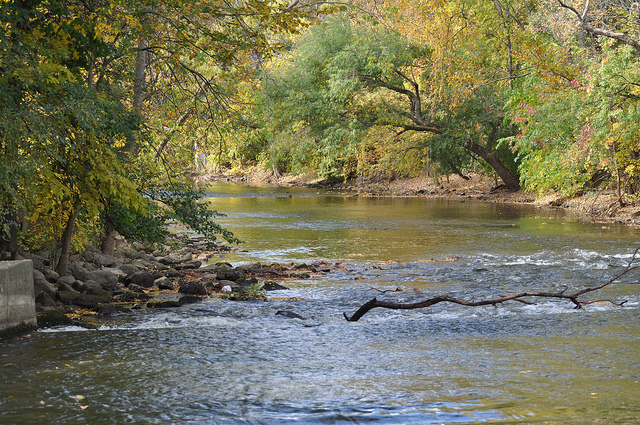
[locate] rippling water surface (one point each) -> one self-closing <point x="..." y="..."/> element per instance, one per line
<point x="220" y="362"/>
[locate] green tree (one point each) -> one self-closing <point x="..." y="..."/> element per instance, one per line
<point x="346" y="78"/>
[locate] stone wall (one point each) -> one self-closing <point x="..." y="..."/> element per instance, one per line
<point x="17" y="299"/>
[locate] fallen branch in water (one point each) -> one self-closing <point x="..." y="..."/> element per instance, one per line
<point x="573" y="297"/>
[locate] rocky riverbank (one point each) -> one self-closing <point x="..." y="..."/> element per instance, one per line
<point x="184" y="271"/>
<point x="598" y="206"/>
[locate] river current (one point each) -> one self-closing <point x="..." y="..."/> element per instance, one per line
<point x="224" y="362"/>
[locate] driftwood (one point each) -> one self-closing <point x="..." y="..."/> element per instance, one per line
<point x="521" y="297"/>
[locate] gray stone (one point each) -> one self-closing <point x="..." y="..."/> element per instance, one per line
<point x="65" y="288"/>
<point x="68" y="280"/>
<point x="230" y="274"/>
<point x="50" y="275"/>
<point x="106" y="279"/>
<point x="160" y="280"/>
<point x="142" y="278"/>
<point x="77" y="271"/>
<point x="115" y="270"/>
<point x="91" y="301"/>
<point x="45" y="300"/>
<point x="173" y="273"/>
<point x="92" y="287"/>
<point x="68" y="297"/>
<point x="129" y="268"/>
<point x="166" y="285"/>
<point x="42" y="285"/>
<point x="192" y="288"/>
<point x="94" y="256"/>
<point x="188" y="265"/>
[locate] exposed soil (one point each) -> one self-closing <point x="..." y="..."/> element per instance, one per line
<point x="598" y="206"/>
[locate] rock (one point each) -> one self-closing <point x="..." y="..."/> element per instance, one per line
<point x="50" y="275"/>
<point x="42" y="285"/>
<point x="92" y="287"/>
<point x="135" y="288"/>
<point x="226" y="289"/>
<point x="230" y="274"/>
<point x="105" y="278"/>
<point x="78" y="285"/>
<point x="210" y="276"/>
<point x="115" y="270"/>
<point x="52" y="317"/>
<point x="77" y="271"/>
<point x="157" y="303"/>
<point x="160" y="280"/>
<point x="45" y="299"/>
<point x="68" y="297"/>
<point x="91" y="301"/>
<point x="189" y="265"/>
<point x="192" y="288"/>
<point x="189" y="299"/>
<point x="63" y="286"/>
<point x="166" y="285"/>
<point x="173" y="273"/>
<point x="169" y="260"/>
<point x="141" y="278"/>
<point x="290" y="315"/>
<point x="92" y="255"/>
<point x="129" y="268"/>
<point x="273" y="286"/>
<point x="66" y="280"/>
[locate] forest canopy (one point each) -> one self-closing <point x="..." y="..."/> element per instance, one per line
<point x="108" y="108"/>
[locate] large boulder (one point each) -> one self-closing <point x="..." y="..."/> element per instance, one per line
<point x="78" y="271"/>
<point x="40" y="284"/>
<point x="50" y="275"/>
<point x="91" y="287"/>
<point x="67" y="297"/>
<point x="67" y="280"/>
<point x="105" y="278"/>
<point x="142" y="278"/>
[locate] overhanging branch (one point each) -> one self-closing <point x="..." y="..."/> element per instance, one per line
<point x="521" y="297"/>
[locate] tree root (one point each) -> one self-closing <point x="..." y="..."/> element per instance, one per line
<point x="521" y="297"/>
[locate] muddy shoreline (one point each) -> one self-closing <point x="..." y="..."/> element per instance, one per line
<point x="598" y="206"/>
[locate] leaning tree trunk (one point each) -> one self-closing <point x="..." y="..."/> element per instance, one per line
<point x="65" y="250"/>
<point x="509" y="178"/>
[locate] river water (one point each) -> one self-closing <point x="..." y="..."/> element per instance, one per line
<point x="223" y="362"/>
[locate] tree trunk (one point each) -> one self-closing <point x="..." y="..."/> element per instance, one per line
<point x="65" y="250"/>
<point x="108" y="246"/>
<point x="508" y="177"/>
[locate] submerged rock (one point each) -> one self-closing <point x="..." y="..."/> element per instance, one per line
<point x="290" y="315"/>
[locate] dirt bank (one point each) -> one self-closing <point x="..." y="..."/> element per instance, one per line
<point x="600" y="207"/>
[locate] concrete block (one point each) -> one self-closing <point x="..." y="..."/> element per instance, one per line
<point x="17" y="297"/>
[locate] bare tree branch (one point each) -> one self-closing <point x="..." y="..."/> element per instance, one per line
<point x="521" y="297"/>
<point x="582" y="18"/>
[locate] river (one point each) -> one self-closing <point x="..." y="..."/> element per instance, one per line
<point x="224" y="362"/>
